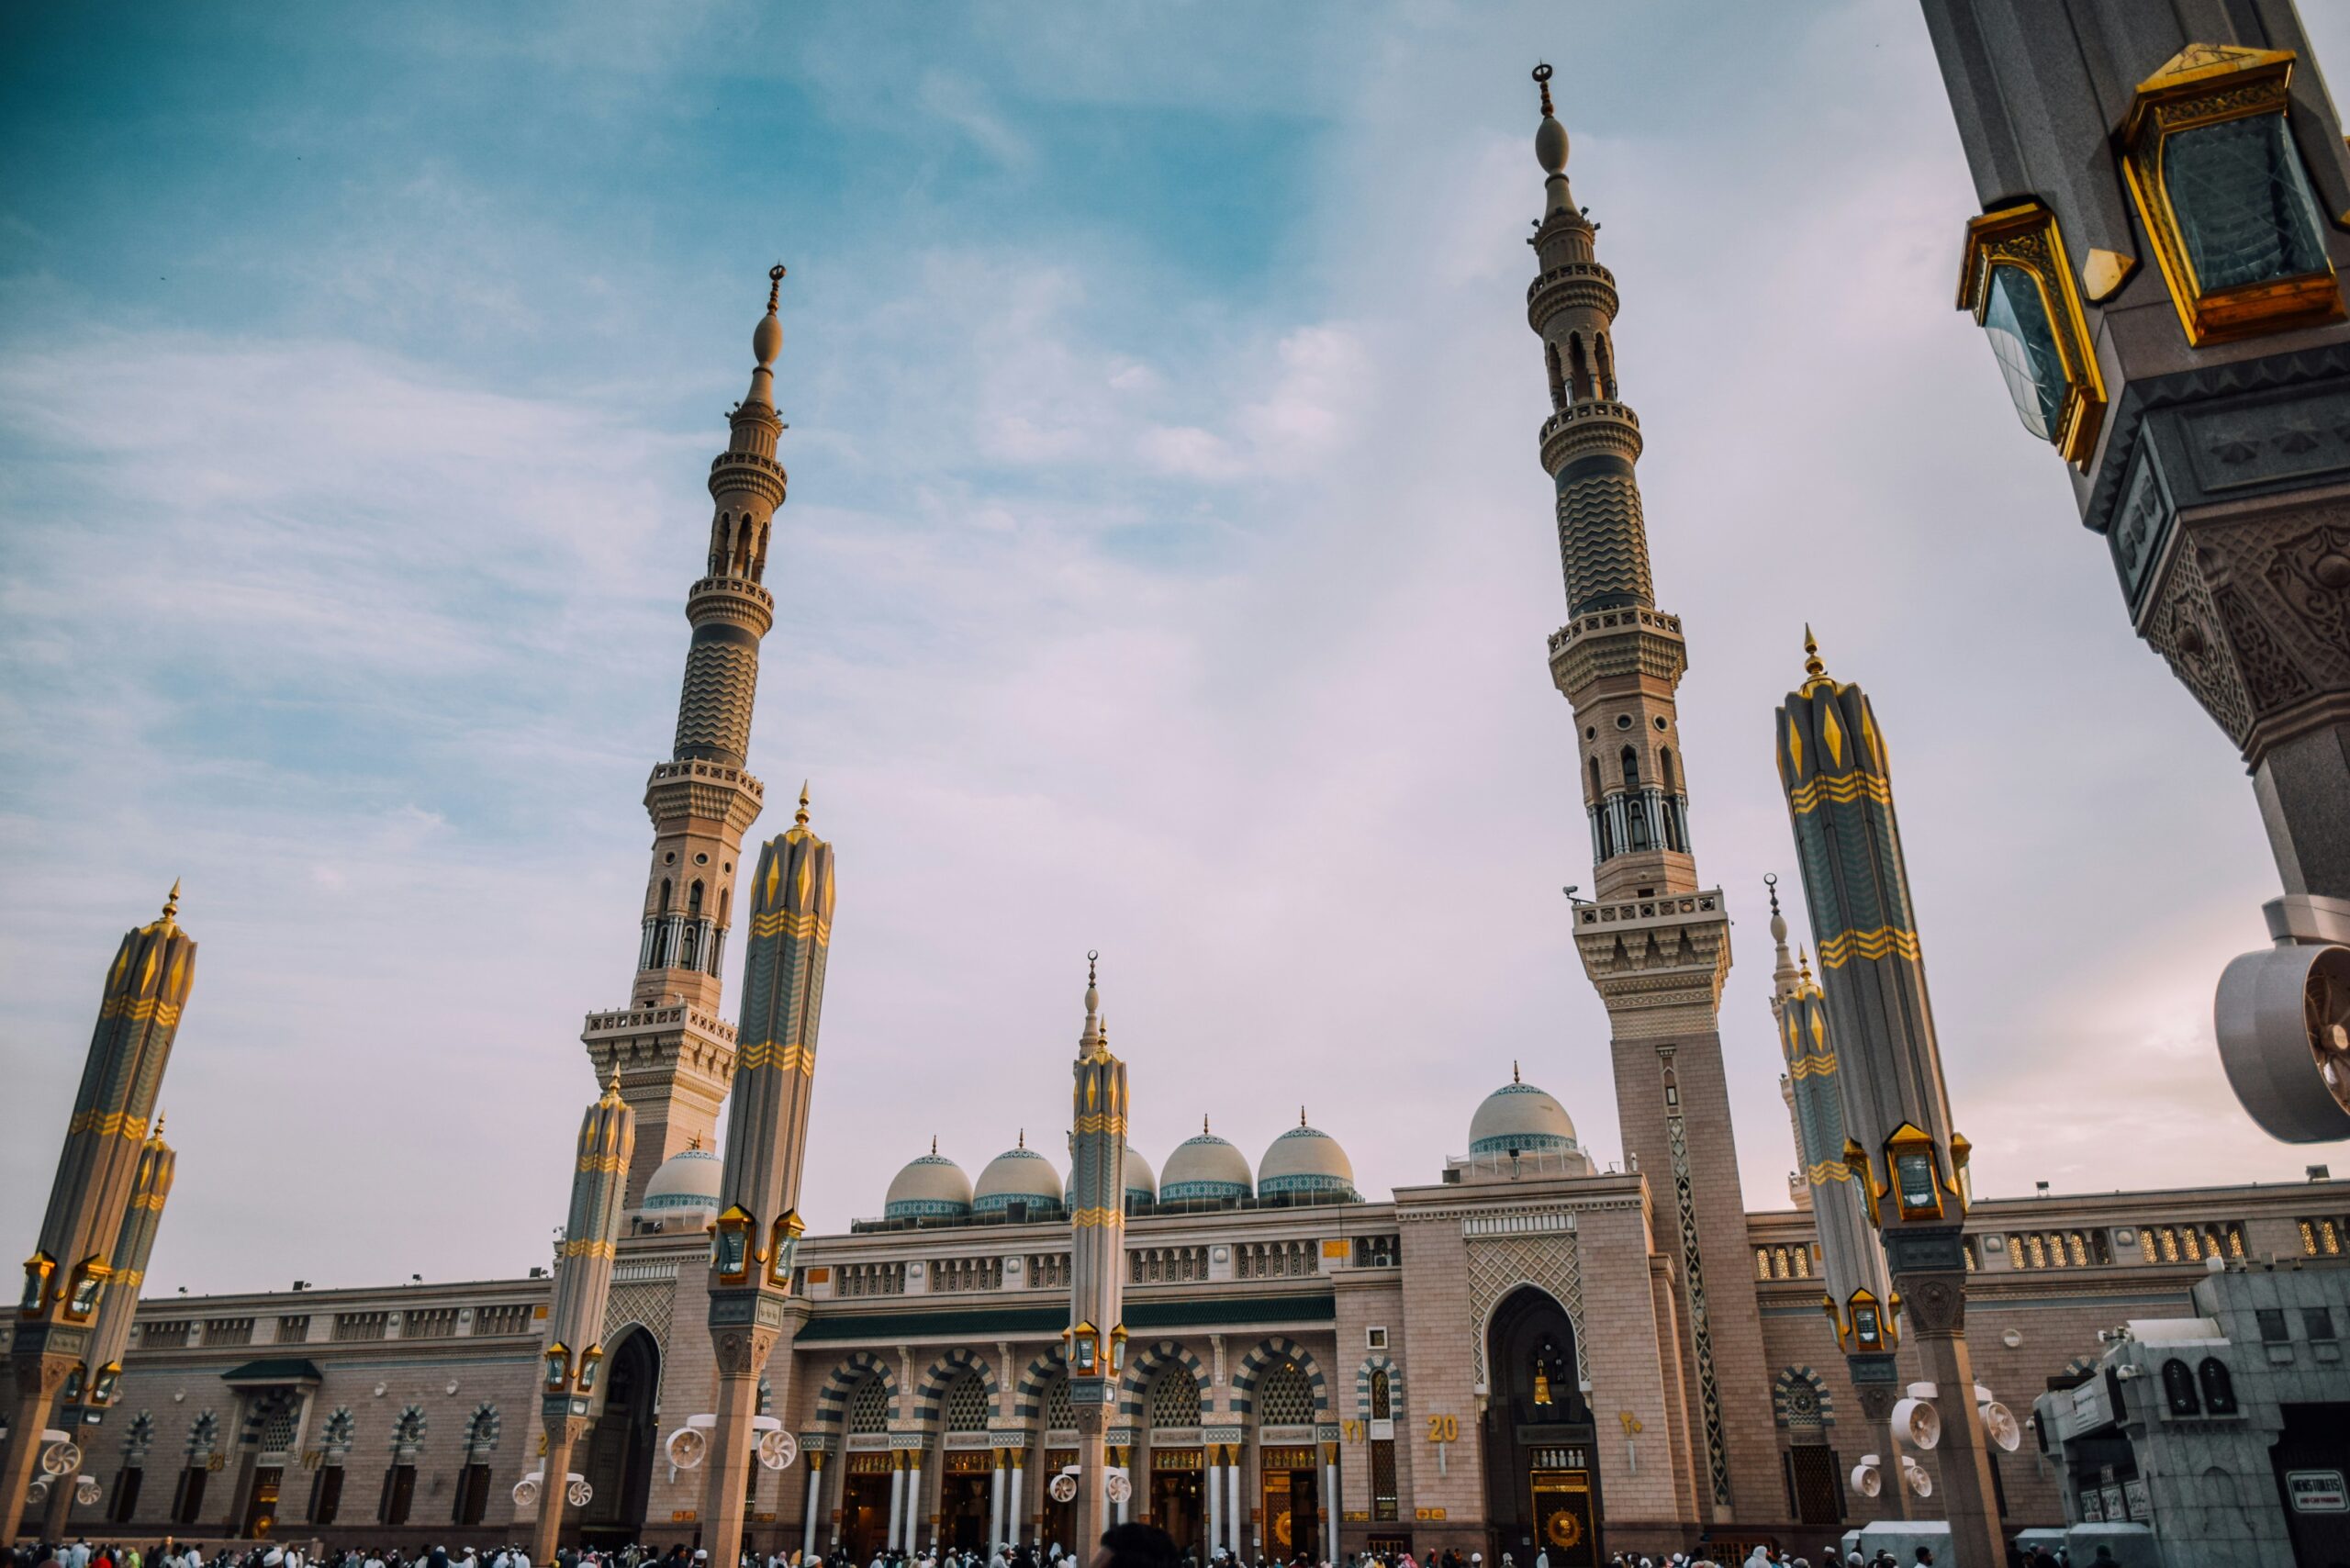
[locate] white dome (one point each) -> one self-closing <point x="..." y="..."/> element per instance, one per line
<point x="686" y="1180"/>
<point x="1017" y="1176"/>
<point x="1304" y="1159"/>
<point x="932" y="1187"/>
<point x="1205" y="1167"/>
<point x="1521" y="1116"/>
<point x="1140" y="1182"/>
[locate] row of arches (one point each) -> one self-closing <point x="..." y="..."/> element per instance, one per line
<point x="1278" y="1377"/>
<point x="738" y="545"/>
<point x="687" y="939"/>
<point x="1579" y="375"/>
<point x="1637" y="814"/>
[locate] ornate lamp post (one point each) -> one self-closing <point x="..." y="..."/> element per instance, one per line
<point x="1097" y="1263"/>
<point x="79" y="1255"/>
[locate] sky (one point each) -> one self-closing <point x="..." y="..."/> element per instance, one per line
<point x="1167" y="571"/>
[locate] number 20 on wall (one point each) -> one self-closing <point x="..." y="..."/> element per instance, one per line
<point x="1444" y="1429"/>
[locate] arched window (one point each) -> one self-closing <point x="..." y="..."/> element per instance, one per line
<point x="1606" y="365"/>
<point x="868" y="1407"/>
<point x="725" y="905"/>
<point x="1382" y="1407"/>
<point x="2219" y="1388"/>
<point x="1557" y="386"/>
<point x="1672" y="1090"/>
<point x="719" y="544"/>
<point x="2178" y="1389"/>
<point x="1632" y="768"/>
<point x="693" y="901"/>
<point x="1595" y="787"/>
<point x="1636" y="806"/>
<point x="760" y="553"/>
<point x="665" y="894"/>
<point x="1578" y="366"/>
<point x="1664" y="767"/>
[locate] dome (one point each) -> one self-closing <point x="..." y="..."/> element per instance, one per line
<point x="930" y="1187"/>
<point x="1304" y="1159"/>
<point x="1205" y="1167"/>
<point x="1519" y="1116"/>
<point x="1018" y="1175"/>
<point x="686" y="1180"/>
<point x="1140" y="1183"/>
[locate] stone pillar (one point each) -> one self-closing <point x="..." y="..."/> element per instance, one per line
<point x="1233" y="1517"/>
<point x="1093" y="1473"/>
<point x="564" y="1433"/>
<point x="1330" y="1509"/>
<point x="1930" y="1270"/>
<point x="996" y="1477"/>
<point x="815" y="1503"/>
<point x="917" y="1506"/>
<point x="1215" y="1461"/>
<point x="897" y="1497"/>
<point x="1019" y="1473"/>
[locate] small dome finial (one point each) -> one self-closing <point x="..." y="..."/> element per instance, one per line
<point x="1301" y="1116"/>
<point x="1812" y="667"/>
<point x="933" y="1145"/>
<point x="1023" y="1138"/>
<point x="158" y="1133"/>
<point x="800" y="818"/>
<point x="766" y="338"/>
<point x="1804" y="962"/>
<point x="1513" y="1072"/>
<point x="612" y="1089"/>
<point x="172" y="900"/>
<point x="1203" y="1124"/>
<point x="1549" y="137"/>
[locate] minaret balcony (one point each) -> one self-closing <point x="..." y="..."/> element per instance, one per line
<point x="628" y="1021"/>
<point x="1596" y="424"/>
<point x="1630" y="641"/>
<point x="712" y="791"/>
<point x="733" y="472"/>
<point x="1576" y="286"/>
<point x="738" y="599"/>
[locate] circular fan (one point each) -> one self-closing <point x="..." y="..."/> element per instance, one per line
<point x="579" y="1494"/>
<point x="526" y="1491"/>
<point x="2283" y="1019"/>
<point x="2000" y="1426"/>
<point x="1921" y="1484"/>
<point x="688" y="1448"/>
<point x="1064" y="1488"/>
<point x="1117" y="1487"/>
<point x="87" y="1490"/>
<point x="62" y="1459"/>
<point x="778" y="1449"/>
<point x="1867" y="1481"/>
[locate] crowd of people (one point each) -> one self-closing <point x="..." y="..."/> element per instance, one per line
<point x="1126" y="1546"/>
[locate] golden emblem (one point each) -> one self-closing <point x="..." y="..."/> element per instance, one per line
<point x="1564" y="1530"/>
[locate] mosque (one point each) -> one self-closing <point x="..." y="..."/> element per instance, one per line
<point x="1526" y="1350"/>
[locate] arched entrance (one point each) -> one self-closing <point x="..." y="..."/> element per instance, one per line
<point x="618" y="1456"/>
<point x="864" y="1517"/>
<point x="1541" y="1469"/>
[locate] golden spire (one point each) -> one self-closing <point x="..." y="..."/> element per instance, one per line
<point x="612" y="1089"/>
<point x="1812" y="667"/>
<point x="1803" y="961"/>
<point x="800" y="818"/>
<point x="157" y="1136"/>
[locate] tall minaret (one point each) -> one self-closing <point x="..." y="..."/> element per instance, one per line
<point x="1654" y="943"/>
<point x="71" y="1272"/>
<point x="1859" y="1297"/>
<point x="1907" y="1159"/>
<point x="673" y="1051"/>
<point x="1097" y="1258"/>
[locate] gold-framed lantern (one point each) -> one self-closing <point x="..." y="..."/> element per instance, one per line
<point x="2016" y="280"/>
<point x="103" y="1385"/>
<point x="1857" y="1160"/>
<point x="1867" y="1327"/>
<point x="591" y="1361"/>
<point x="84" y="1286"/>
<point x="558" y="1360"/>
<point x="1117" y="1350"/>
<point x="1084" y="1350"/>
<point x="730" y="1245"/>
<point x="2208" y="156"/>
<point x="38" y="1270"/>
<point x="1914" y="1168"/>
<point x="783" y="1246"/>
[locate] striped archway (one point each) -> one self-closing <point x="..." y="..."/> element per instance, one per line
<point x="1143" y="1367"/>
<point x="1256" y="1363"/>
<point x="1028" y="1395"/>
<point x="1379" y="1363"/>
<point x="831" y="1400"/>
<point x="945" y="1369"/>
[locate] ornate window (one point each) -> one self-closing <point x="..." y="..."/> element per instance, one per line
<point x="2218" y="183"/>
<point x="2018" y="282"/>
<point x="965" y="1408"/>
<point x="1060" y="1413"/>
<point x="1284" y="1399"/>
<point x="2219" y="1389"/>
<point x="1175" y="1399"/>
<point x="2178" y="1389"/>
<point x="868" y="1407"/>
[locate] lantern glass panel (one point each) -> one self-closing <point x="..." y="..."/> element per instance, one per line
<point x="2245" y="209"/>
<point x="2025" y="345"/>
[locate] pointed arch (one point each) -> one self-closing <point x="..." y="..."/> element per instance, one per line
<point x="1558" y="381"/>
<point x="1606" y="358"/>
<point x="1800" y="1401"/>
<point x="831" y="1400"/>
<point x="1028" y="1394"/>
<point x="1578" y="368"/>
<point x="1379" y="1363"/>
<point x="1142" y="1369"/>
<point x="945" y="1369"/>
<point x="1270" y="1351"/>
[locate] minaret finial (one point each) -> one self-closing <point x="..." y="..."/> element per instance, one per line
<point x="612" y="1089"/>
<point x="159" y="1124"/>
<point x="800" y="818"/>
<point x="1771" y="881"/>
<point x="1301" y="1116"/>
<point x="1023" y="1137"/>
<point x="1203" y="1124"/>
<point x="172" y="900"/>
<point x="1513" y="1078"/>
<point x="775" y="286"/>
<point x="1812" y="667"/>
<point x="1542" y="79"/>
<point x="933" y="1145"/>
<point x="1551" y="140"/>
<point x="766" y="338"/>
